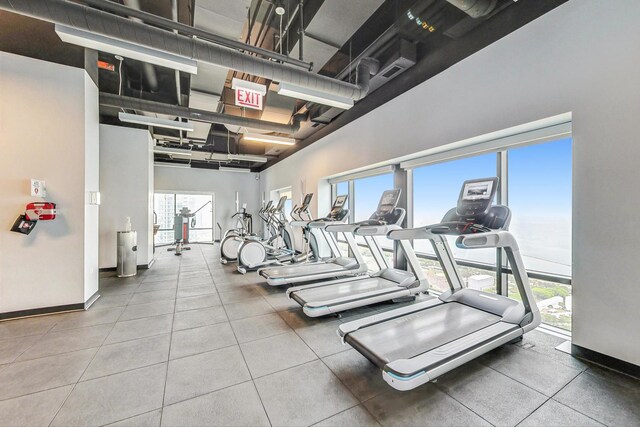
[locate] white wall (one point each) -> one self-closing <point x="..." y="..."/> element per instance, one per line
<point x="223" y="184"/>
<point x="581" y="58"/>
<point x="126" y="189"/>
<point x="48" y="128"/>
<point x="91" y="184"/>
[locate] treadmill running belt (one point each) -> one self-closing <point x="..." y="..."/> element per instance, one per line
<point x="321" y="294"/>
<point x="412" y="335"/>
<point x="298" y="270"/>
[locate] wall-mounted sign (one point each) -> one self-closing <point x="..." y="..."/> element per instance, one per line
<point x="248" y="94"/>
<point x="38" y="188"/>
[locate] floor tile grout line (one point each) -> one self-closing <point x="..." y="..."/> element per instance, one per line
<point x="36" y="392"/>
<point x="572" y="408"/>
<point x="345" y="410"/>
<point x="85" y="369"/>
<point x="173" y="317"/>
<point x="244" y="359"/>
<point x="526" y="385"/>
<point x="133" y="416"/>
<point x="438" y="387"/>
<point x="177" y="402"/>
<point x="325" y="365"/>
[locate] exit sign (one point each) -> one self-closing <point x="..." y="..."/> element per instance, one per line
<point x="248" y="94"/>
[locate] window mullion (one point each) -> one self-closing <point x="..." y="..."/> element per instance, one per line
<point x="502" y="172"/>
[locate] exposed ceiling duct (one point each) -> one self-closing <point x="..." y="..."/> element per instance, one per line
<point x="113" y="100"/>
<point x="475" y="8"/>
<point x="85" y="18"/>
<point x="332" y="26"/>
<point x="205" y="156"/>
<point x="202" y="101"/>
<point x="397" y="58"/>
<point x="224" y="18"/>
<point x="224" y="31"/>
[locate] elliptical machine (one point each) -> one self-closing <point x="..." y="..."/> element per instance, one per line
<point x="301" y="217"/>
<point x="253" y="253"/>
<point x="234" y="236"/>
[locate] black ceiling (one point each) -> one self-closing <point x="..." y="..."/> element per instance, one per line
<point x="448" y="36"/>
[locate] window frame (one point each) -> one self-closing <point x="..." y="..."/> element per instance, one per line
<point x="175" y="207"/>
<point x="500" y="147"/>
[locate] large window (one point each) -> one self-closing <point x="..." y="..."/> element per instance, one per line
<point x="540" y="200"/>
<point x="288" y="204"/>
<point x="535" y="182"/>
<point x="537" y="179"/>
<point x="435" y="192"/>
<point x="167" y="205"/>
<point x="365" y="198"/>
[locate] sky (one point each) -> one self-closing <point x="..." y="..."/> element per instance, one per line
<point x="539" y="197"/>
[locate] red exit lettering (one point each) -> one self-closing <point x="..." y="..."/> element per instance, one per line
<point x="248" y="98"/>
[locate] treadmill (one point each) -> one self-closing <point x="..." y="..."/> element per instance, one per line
<point x="336" y="266"/>
<point x="330" y="297"/>
<point x="415" y="344"/>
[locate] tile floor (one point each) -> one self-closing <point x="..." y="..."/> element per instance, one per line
<point x="190" y="342"/>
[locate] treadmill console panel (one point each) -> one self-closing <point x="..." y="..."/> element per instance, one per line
<point x="476" y="198"/>
<point x="338" y="212"/>
<point x="306" y="201"/>
<point x="387" y="213"/>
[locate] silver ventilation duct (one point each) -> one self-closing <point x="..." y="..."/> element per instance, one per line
<point x="113" y="100"/>
<point x="87" y="19"/>
<point x="475" y="8"/>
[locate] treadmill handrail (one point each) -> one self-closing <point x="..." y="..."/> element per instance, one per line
<point x="376" y="230"/>
<point x="430" y="232"/>
<point x="490" y="239"/>
<point x="341" y="228"/>
<point x="320" y="223"/>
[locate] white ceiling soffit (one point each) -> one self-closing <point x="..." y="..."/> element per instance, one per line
<point x="202" y="101"/>
<point x="278" y="108"/>
<point x="225" y="18"/>
<point x="332" y="26"/>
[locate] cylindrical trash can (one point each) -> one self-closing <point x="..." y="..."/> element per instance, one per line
<point x="127" y="254"/>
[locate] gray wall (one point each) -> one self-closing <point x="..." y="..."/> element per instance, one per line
<point x="223" y="184"/>
<point x="49" y="131"/>
<point x="580" y="58"/>
<point x="126" y="187"/>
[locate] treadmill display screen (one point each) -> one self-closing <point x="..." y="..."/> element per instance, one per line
<point x="388" y="201"/>
<point x="477" y="190"/>
<point x="340" y="201"/>
<point x="307" y="199"/>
